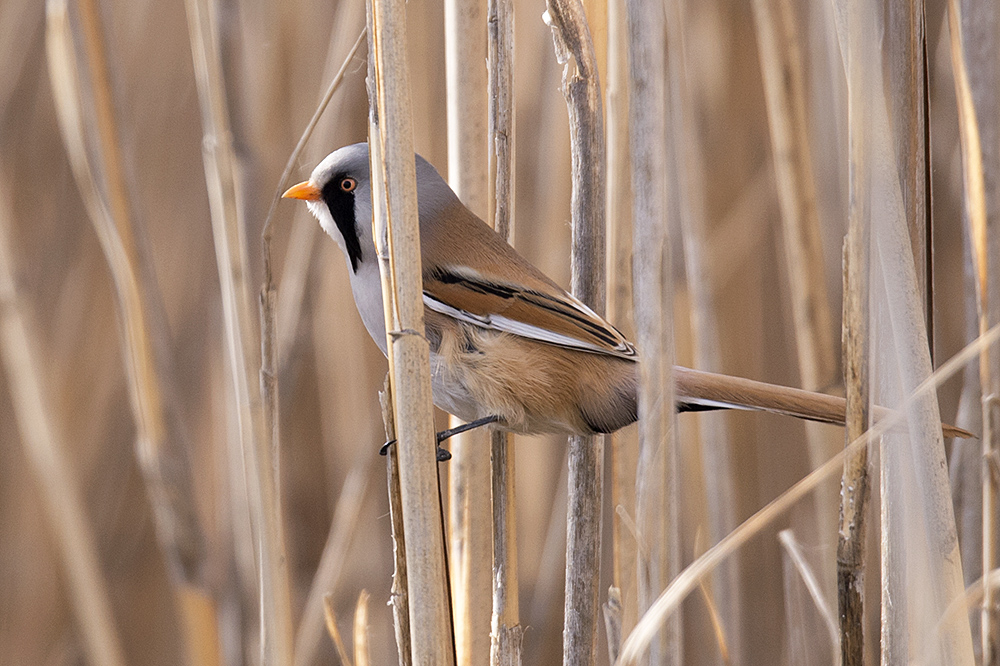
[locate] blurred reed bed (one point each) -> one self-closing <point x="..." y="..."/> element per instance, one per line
<point x="760" y="180"/>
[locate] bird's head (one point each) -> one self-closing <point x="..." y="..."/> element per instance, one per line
<point x="339" y="194"/>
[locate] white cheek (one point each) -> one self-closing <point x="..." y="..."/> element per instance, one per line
<point x="322" y="213"/>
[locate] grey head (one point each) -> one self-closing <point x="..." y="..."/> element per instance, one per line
<point x="345" y="209"/>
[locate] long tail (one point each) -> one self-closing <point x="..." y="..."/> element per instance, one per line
<point x="698" y="390"/>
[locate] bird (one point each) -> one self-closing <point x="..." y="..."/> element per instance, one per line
<point x="509" y="348"/>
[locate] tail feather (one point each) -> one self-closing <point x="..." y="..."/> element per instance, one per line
<point x="698" y="390"/>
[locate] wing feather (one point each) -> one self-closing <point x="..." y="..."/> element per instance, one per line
<point x="551" y="316"/>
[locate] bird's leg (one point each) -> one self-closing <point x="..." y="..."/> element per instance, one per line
<point x="444" y="454"/>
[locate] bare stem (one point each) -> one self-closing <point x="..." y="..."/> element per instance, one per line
<point x="397" y="239"/>
<point x="656" y="481"/>
<point x="506" y="634"/>
<point x="468" y="176"/>
<point x="624" y="445"/>
<point x="975" y="196"/>
<point x="581" y="87"/>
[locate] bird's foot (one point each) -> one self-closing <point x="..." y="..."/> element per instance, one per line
<point x="444" y="454"/>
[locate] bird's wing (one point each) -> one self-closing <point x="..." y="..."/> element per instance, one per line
<point x="539" y="312"/>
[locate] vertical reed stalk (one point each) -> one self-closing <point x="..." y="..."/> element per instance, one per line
<point x="856" y="331"/>
<point x="61" y="496"/>
<point x="906" y="50"/>
<point x="687" y="199"/>
<point x="624" y="445"/>
<point x="851" y="561"/>
<point x="920" y="577"/>
<point x="468" y="174"/>
<point x="506" y="634"/>
<point x="854" y="485"/>
<point x="581" y="88"/>
<point x="656" y="482"/>
<point x="397" y="238"/>
<point x="976" y="197"/>
<point x="161" y="447"/>
<point x="256" y="434"/>
<point x="782" y="63"/>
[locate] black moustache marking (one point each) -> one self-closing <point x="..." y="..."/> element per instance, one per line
<point x="538" y="298"/>
<point x="341" y="205"/>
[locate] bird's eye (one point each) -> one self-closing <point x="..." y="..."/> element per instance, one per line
<point x="348" y="184"/>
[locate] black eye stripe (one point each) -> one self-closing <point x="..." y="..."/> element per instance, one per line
<point x="341" y="205"/>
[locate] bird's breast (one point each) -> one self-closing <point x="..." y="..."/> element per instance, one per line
<point x="366" y="285"/>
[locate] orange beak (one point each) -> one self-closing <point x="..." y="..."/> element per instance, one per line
<point x="305" y="191"/>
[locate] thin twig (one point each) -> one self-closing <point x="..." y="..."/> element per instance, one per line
<point x="398" y="595"/>
<point x="293" y="159"/>
<point x="506" y="634"/>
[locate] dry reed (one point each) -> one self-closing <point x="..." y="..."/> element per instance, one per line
<point x="396" y="231"/>
<point x="581" y="87"/>
<point x="656" y="479"/>
<point x="470" y="515"/>
<point x="256" y="429"/>
<point x="975" y="210"/>
<point x="506" y="633"/>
